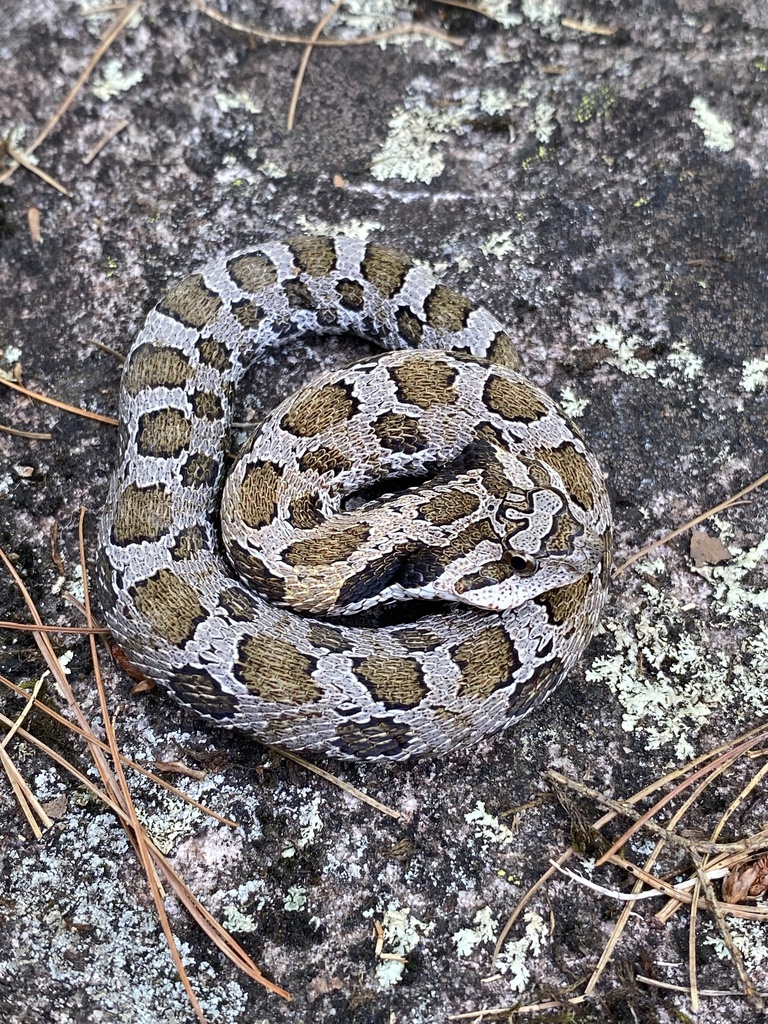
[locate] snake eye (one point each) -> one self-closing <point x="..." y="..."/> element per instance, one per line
<point x="524" y="565"/>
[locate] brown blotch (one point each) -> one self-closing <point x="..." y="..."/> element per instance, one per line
<point x="200" y="471"/>
<point x="563" y="602"/>
<point x="151" y="366"/>
<point x="560" y="540"/>
<point x="447" y="310"/>
<point x="487" y="661"/>
<point x="513" y="399"/>
<point x="534" y="690"/>
<point x="198" y="689"/>
<point x="248" y="313"/>
<point x="189" y="542"/>
<point x="252" y="569"/>
<point x="376" y="738"/>
<point x="206" y="405"/>
<point x="574" y="471"/>
<point x="449" y="506"/>
<point x="299" y="295"/>
<point x="399" y="433"/>
<point x="304" y="511"/>
<point x="486" y="576"/>
<point x="329" y="638"/>
<point x="502" y="351"/>
<point x="425" y="382"/>
<point x="351" y="294"/>
<point x="164" y="433"/>
<point x="396" y="682"/>
<point x="314" y="256"/>
<point x="330" y="546"/>
<point x="142" y="514"/>
<point x="215" y="354"/>
<point x="385" y="268"/>
<point x="417" y="638"/>
<point x="256" y="501"/>
<point x="316" y="411"/>
<point x="191" y="302"/>
<point x="276" y="671"/>
<point x="409" y="326"/>
<point x="170" y="605"/>
<point x="238" y="604"/>
<point x="324" y="460"/>
<point x="252" y="272"/>
<point x="468" y="539"/>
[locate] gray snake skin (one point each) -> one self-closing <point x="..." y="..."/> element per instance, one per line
<point x="493" y="507"/>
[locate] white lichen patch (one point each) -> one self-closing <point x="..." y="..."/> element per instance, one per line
<point x="113" y="80"/>
<point x="11" y="354"/>
<point x="623" y="350"/>
<point x="401" y="934"/>
<point x="514" y="959"/>
<point x="240" y="100"/>
<point x="495" y="101"/>
<point x="754" y="374"/>
<point x="571" y="404"/>
<point x="503" y="11"/>
<point x="171" y="821"/>
<point x="500" y="244"/>
<point x="353" y="227"/>
<point x="415" y="132"/>
<point x="672" y="670"/>
<point x="487" y="827"/>
<point x="467" y="940"/>
<point x="749" y="937"/>
<point x="688" y="365"/>
<point x="543" y="123"/>
<point x="545" y="16"/>
<point x="295" y="898"/>
<point x="718" y="131"/>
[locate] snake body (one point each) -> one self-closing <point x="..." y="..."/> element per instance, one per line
<point x="493" y="506"/>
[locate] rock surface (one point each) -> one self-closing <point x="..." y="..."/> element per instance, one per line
<point x="603" y="193"/>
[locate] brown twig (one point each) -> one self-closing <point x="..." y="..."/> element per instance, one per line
<point x="690" y="524"/>
<point x="305" y="60"/>
<point x="59" y="405"/>
<point x="112" y="33"/>
<point x="94" y="151"/>
<point x="375" y="37"/>
<point x="29" y="434"/>
<point x="22" y="160"/>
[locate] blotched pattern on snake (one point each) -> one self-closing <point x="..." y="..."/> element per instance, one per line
<point x="432" y="471"/>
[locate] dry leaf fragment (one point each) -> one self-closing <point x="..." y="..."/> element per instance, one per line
<point x="178" y="768"/>
<point x="746" y="881"/>
<point x="706" y="550"/>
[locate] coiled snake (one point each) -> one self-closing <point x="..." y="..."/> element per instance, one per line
<point x="492" y="503"/>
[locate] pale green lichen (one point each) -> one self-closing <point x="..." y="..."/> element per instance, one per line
<point x="414" y="132"/>
<point x="688" y="364"/>
<point x="671" y="673"/>
<point x="718" y="131"/>
<point x="353" y="227"/>
<point x="572" y="405"/>
<point x="514" y="958"/>
<point x="754" y="374"/>
<point x="487" y="827"/>
<point x="467" y="940"/>
<point x="240" y="100"/>
<point x="295" y="898"/>
<point x="401" y="934"/>
<point x="749" y="938"/>
<point x="113" y="80"/>
<point x="544" y="124"/>
<point x="495" y="101"/>
<point x="544" y="15"/>
<point x="622" y="350"/>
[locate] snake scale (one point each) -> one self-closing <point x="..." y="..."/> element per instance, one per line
<point x="431" y="472"/>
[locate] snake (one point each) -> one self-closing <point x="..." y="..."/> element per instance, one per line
<point x="408" y="554"/>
